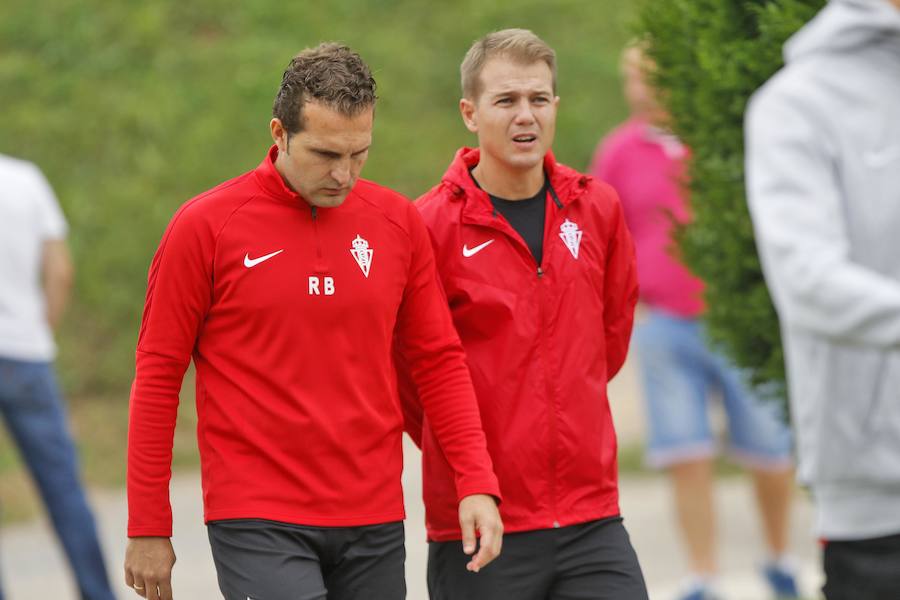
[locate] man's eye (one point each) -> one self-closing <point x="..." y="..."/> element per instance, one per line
<point x="504" y="101"/>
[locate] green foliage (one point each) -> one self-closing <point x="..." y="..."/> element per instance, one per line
<point x="131" y="108"/>
<point x="711" y="56"/>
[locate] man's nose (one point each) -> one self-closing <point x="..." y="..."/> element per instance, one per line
<point x="341" y="173"/>
<point x="524" y="113"/>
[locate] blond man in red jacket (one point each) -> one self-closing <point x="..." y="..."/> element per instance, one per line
<point x="539" y="273"/>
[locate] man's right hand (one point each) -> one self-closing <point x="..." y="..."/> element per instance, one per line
<point x="479" y="513"/>
<point x="148" y="567"/>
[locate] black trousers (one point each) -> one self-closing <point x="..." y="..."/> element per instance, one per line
<point x="590" y="561"/>
<point x="268" y="560"/>
<point x="863" y="569"/>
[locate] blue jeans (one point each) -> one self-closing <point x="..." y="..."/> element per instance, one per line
<point x="678" y="372"/>
<point x="32" y="406"/>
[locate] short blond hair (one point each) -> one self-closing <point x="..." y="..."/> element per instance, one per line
<point x="519" y="45"/>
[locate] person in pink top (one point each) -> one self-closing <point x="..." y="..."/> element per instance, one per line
<point x="645" y="163"/>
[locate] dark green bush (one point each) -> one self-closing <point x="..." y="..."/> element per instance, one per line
<point x="711" y="56"/>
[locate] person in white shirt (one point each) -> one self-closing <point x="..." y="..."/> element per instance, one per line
<point x="35" y="277"/>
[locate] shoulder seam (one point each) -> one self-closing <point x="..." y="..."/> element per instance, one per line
<point x="222" y="186"/>
<point x="222" y="228"/>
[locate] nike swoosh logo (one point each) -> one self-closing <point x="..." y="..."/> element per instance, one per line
<point x="252" y="262"/>
<point x="876" y="159"/>
<point x="467" y="252"/>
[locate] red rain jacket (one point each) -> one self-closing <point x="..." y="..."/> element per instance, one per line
<point x="541" y="340"/>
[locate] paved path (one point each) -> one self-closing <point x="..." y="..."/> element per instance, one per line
<point x="34" y="570"/>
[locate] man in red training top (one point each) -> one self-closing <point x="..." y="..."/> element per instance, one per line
<point x="287" y="286"/>
<point x="539" y="272"/>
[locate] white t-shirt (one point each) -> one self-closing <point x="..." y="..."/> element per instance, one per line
<point x="29" y="216"/>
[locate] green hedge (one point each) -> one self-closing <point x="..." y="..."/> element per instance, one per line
<point x="712" y="55"/>
<point x="133" y="107"/>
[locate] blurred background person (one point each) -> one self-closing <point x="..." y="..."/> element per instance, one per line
<point x="35" y="278"/>
<point x="823" y="184"/>
<point x="645" y="163"/>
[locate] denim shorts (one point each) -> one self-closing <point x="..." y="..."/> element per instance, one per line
<point x="681" y="375"/>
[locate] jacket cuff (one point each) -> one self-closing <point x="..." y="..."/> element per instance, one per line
<point x="483" y="485"/>
<point x="149" y="531"/>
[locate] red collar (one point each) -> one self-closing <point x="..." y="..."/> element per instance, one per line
<point x="272" y="181"/>
<point x="458" y="179"/>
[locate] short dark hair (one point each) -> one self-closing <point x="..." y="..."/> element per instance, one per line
<point x="330" y="73"/>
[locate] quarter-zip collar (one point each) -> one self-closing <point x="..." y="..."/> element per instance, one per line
<point x="273" y="183"/>
<point x="478" y="208"/>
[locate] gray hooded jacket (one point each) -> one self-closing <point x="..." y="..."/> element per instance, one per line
<point x="823" y="183"/>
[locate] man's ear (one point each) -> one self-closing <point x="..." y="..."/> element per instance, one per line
<point x="467" y="110"/>
<point x="279" y="135"/>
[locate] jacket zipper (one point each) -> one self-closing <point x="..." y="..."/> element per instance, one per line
<point x="551" y="403"/>
<point x="545" y="352"/>
<point x="551" y="397"/>
<point x="315" y="219"/>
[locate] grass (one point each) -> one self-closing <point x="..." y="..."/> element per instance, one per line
<point x="132" y="108"/>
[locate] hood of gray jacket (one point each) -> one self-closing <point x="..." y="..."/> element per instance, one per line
<point x="844" y="26"/>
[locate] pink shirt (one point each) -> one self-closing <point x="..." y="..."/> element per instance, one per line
<point x="644" y="166"/>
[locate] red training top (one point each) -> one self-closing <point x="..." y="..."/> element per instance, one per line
<point x="290" y="313"/>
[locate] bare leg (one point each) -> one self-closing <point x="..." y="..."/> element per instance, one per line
<point x="692" y="483"/>
<point x="774" y="492"/>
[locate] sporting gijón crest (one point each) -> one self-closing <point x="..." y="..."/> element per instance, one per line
<point x="363" y="254"/>
<point x="571" y="236"/>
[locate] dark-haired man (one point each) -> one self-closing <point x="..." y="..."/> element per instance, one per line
<point x="288" y="286"/>
<point x="539" y="272"/>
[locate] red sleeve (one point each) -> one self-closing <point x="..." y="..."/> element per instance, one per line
<point x="178" y="296"/>
<point x="620" y="290"/>
<point x="429" y="345"/>
<point x="413" y="416"/>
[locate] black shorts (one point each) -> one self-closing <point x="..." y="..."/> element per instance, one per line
<point x="268" y="560"/>
<point x="863" y="569"/>
<point x="589" y="561"/>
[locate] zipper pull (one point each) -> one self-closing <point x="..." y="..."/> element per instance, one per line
<point x="314" y="212"/>
<point x="540" y="271"/>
